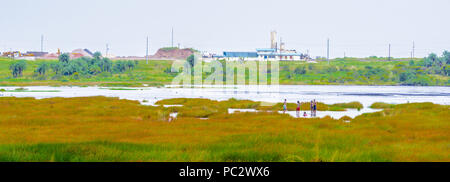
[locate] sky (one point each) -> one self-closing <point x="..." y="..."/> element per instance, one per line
<point x="358" y="28"/>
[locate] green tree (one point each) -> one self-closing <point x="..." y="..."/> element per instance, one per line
<point x="120" y="67"/>
<point x="130" y="65"/>
<point x="106" y="65"/>
<point x="408" y="75"/>
<point x="56" y="67"/>
<point x="446" y="57"/>
<point x="300" y="70"/>
<point x="97" y="55"/>
<point x="446" y="70"/>
<point x="42" y="68"/>
<point x="191" y="60"/>
<point x="17" y="68"/>
<point x="64" y="58"/>
<point x="430" y="60"/>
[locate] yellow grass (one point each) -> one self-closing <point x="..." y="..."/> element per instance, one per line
<point x="110" y="129"/>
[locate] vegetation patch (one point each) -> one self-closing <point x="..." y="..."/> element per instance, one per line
<point x="123" y="89"/>
<point x="381" y="105"/>
<point x="26" y="90"/>
<point x="429" y="71"/>
<point x="352" y="105"/>
<point x="112" y="129"/>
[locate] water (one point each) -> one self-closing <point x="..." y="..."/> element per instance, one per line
<point x="328" y="94"/>
<point x="352" y="113"/>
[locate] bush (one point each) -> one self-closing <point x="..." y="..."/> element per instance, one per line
<point x="300" y="70"/>
<point x="17" y="68"/>
<point x="408" y="75"/>
<point x="85" y="67"/>
<point x="419" y="81"/>
<point x="353" y="105"/>
<point x="381" y="105"/>
<point x="42" y="68"/>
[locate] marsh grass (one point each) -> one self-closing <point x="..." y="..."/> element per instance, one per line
<point x="381" y="105"/>
<point x="123" y="89"/>
<point x="112" y="129"/>
<point x="203" y="108"/>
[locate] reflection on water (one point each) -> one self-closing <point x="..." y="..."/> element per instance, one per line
<point x="293" y="93"/>
<point x="320" y="114"/>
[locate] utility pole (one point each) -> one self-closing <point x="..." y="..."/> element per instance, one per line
<point x="107" y="49"/>
<point x="328" y="50"/>
<point x="414" y="46"/>
<point x="389" y="57"/>
<point x="146" y="52"/>
<point x="172" y="37"/>
<point x="281" y="42"/>
<point x="42" y="43"/>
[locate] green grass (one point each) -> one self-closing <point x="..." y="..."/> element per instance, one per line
<point x="122" y="89"/>
<point x="241" y="149"/>
<point x="113" y="129"/>
<point x="151" y="74"/>
<point x="348" y="71"/>
<point x="26" y="90"/>
<point x="205" y="108"/>
<point x="352" y="105"/>
<point x="381" y="105"/>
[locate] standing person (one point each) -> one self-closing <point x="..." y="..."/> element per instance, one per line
<point x="315" y="108"/>
<point x="298" y="109"/>
<point x="312" y="108"/>
<point x="284" y="106"/>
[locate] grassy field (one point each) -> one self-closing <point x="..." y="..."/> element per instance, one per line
<point x="110" y="129"/>
<point x="151" y="74"/>
<point x="349" y="71"/>
<point x="203" y="108"/>
<point x="358" y="71"/>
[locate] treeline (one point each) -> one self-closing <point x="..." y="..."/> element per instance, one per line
<point x="402" y="73"/>
<point x="80" y="67"/>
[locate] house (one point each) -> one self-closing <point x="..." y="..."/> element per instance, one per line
<point x="267" y="54"/>
<point x="77" y="53"/>
<point x="264" y="55"/>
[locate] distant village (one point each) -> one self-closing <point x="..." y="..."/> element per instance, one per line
<point x="276" y="52"/>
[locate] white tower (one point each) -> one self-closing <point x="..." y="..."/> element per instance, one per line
<point x="273" y="40"/>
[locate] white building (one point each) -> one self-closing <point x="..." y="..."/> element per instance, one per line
<point x="264" y="55"/>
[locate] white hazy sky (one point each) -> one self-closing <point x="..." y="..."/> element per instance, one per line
<point x="360" y="28"/>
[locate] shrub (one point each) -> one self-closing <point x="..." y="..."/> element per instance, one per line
<point x="17" y="68"/>
<point x="353" y="105"/>
<point x="381" y="105"/>
<point x="300" y="70"/>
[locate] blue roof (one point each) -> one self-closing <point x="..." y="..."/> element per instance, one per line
<point x="266" y="50"/>
<point x="240" y="54"/>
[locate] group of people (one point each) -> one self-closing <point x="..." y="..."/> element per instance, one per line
<point x="313" y="107"/>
